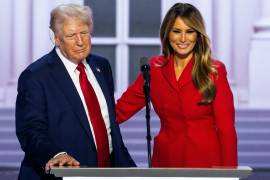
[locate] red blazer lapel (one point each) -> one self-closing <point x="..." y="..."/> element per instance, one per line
<point x="169" y="74"/>
<point x="186" y="75"/>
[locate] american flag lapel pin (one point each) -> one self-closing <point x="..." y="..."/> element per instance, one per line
<point x="98" y="70"/>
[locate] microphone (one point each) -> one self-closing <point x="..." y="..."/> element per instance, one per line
<point x="145" y="68"/>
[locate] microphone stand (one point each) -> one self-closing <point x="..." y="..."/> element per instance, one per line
<point x="146" y="89"/>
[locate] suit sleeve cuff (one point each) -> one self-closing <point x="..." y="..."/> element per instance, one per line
<point x="59" y="154"/>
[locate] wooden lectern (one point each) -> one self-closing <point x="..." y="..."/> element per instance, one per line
<point x="83" y="173"/>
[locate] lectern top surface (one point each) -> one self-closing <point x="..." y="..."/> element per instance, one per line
<point x="240" y="172"/>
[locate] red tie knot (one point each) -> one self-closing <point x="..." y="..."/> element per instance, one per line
<point x="80" y="67"/>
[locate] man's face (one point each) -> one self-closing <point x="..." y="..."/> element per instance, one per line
<point x="74" y="40"/>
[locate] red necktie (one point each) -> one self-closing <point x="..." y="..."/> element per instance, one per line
<point x="96" y="118"/>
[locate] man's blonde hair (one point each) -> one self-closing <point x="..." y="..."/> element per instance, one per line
<point x="64" y="11"/>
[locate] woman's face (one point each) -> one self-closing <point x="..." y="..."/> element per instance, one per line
<point x="182" y="39"/>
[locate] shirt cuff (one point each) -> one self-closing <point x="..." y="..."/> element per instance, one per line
<point x="59" y="154"/>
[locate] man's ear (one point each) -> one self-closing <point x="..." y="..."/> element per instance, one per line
<point x="52" y="36"/>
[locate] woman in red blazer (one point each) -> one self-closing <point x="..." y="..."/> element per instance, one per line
<point x="191" y="95"/>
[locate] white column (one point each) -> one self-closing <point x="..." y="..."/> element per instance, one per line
<point x="222" y="38"/>
<point x="259" y="64"/>
<point x="122" y="29"/>
<point x="223" y="41"/>
<point x="5" y="46"/>
<point x="22" y="39"/>
<point x="41" y="17"/>
<point x="26" y="38"/>
<point x="243" y="30"/>
<point x="20" y="47"/>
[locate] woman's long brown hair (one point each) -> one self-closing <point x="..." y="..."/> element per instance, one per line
<point x="203" y="68"/>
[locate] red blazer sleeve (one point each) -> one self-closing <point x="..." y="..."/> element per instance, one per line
<point x="225" y="118"/>
<point x="131" y="101"/>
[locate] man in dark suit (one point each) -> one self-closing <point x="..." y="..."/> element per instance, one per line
<point x="65" y="104"/>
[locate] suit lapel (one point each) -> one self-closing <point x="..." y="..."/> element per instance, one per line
<point x="99" y="74"/>
<point x="186" y="75"/>
<point x="169" y="74"/>
<point x="67" y="87"/>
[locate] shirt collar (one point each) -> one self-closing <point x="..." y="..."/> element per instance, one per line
<point x="70" y="66"/>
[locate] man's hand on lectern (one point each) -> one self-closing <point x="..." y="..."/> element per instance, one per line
<point x="61" y="160"/>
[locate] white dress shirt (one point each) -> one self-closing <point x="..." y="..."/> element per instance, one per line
<point x="74" y="74"/>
